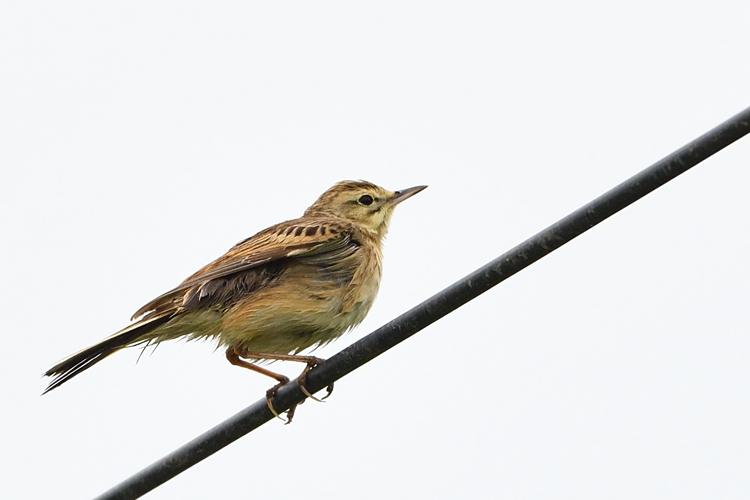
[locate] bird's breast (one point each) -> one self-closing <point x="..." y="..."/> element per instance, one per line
<point x="363" y="287"/>
<point x="345" y="291"/>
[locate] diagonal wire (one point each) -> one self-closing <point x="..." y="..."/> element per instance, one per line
<point x="438" y="306"/>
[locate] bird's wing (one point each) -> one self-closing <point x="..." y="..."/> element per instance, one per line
<point x="320" y="241"/>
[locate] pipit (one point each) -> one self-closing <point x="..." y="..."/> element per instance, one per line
<point x="294" y="286"/>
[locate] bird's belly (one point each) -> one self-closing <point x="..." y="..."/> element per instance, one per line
<point x="292" y="317"/>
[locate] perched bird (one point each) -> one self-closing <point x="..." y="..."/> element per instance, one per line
<point x="296" y="285"/>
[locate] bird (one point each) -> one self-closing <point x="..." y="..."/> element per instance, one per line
<point x="293" y="286"/>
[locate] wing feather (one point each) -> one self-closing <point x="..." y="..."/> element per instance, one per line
<point x="321" y="242"/>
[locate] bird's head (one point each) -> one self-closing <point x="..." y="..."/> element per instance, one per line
<point x="361" y="202"/>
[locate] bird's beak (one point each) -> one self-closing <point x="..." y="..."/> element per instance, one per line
<point x="403" y="194"/>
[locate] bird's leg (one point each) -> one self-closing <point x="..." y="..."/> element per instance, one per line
<point x="310" y="361"/>
<point x="234" y="357"/>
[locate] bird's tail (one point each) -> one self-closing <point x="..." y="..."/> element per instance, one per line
<point x="85" y="359"/>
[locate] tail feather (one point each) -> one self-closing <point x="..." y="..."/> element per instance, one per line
<point x="85" y="359"/>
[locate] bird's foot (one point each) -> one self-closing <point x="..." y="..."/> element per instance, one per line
<point x="271" y="393"/>
<point x="303" y="377"/>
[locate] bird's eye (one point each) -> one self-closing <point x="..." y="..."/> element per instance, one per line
<point x="365" y="199"/>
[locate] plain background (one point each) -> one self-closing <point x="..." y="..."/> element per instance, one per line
<point x="140" y="140"/>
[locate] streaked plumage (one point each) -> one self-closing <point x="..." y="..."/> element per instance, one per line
<point x="290" y="287"/>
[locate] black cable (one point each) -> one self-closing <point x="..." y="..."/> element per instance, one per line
<point x="438" y="305"/>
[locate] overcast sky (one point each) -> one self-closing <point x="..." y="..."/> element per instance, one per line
<point x="139" y="140"/>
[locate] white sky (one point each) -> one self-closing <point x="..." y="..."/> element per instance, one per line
<point x="139" y="140"/>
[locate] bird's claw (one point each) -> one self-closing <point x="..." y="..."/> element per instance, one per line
<point x="301" y="382"/>
<point x="270" y="393"/>
<point x="308" y="393"/>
